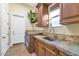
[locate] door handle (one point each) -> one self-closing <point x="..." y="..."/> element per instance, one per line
<point x="3" y="37"/>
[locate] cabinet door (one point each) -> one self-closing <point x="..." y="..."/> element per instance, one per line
<point x="31" y="44"/>
<point x="69" y="10"/>
<point x="45" y="15"/>
<point x="36" y="47"/>
<point x="49" y="52"/>
<point x="41" y="50"/>
<point x="62" y="54"/>
<point x="40" y="15"/>
<point x="69" y="13"/>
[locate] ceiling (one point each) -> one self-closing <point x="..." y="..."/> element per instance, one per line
<point x="31" y="4"/>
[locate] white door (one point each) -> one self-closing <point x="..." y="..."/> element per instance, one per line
<point x="4" y="30"/>
<point x="18" y="28"/>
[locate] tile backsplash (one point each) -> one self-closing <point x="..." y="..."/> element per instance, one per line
<point x="67" y="32"/>
<point x="72" y="38"/>
<point x="71" y="29"/>
<point x="47" y="32"/>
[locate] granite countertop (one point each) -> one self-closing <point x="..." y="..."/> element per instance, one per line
<point x="70" y="48"/>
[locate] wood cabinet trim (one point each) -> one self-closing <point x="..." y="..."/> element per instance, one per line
<point x="69" y="21"/>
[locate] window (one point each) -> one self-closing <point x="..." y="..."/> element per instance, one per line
<point x="54" y="18"/>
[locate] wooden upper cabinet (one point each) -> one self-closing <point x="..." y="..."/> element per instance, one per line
<point x="69" y="13"/>
<point x="70" y="10"/>
<point x="42" y="14"/>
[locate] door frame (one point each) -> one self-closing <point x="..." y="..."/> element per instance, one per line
<point x="1" y="25"/>
<point x="0" y="30"/>
<point x="11" y="30"/>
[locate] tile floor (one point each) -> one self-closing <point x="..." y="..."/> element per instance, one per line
<point x="18" y="50"/>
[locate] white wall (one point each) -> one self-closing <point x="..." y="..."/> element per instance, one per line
<point x="24" y="8"/>
<point x="21" y="8"/>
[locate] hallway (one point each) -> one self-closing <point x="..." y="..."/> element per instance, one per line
<point x="18" y="50"/>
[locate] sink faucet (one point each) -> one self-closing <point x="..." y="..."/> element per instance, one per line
<point x="50" y="30"/>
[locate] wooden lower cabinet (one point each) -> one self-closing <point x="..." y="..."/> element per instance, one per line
<point x="36" y="47"/>
<point x="31" y="44"/>
<point x="62" y="54"/>
<point x="42" y="49"/>
<point x="50" y="52"/>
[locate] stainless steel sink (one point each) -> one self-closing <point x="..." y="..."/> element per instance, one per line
<point x="49" y="39"/>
